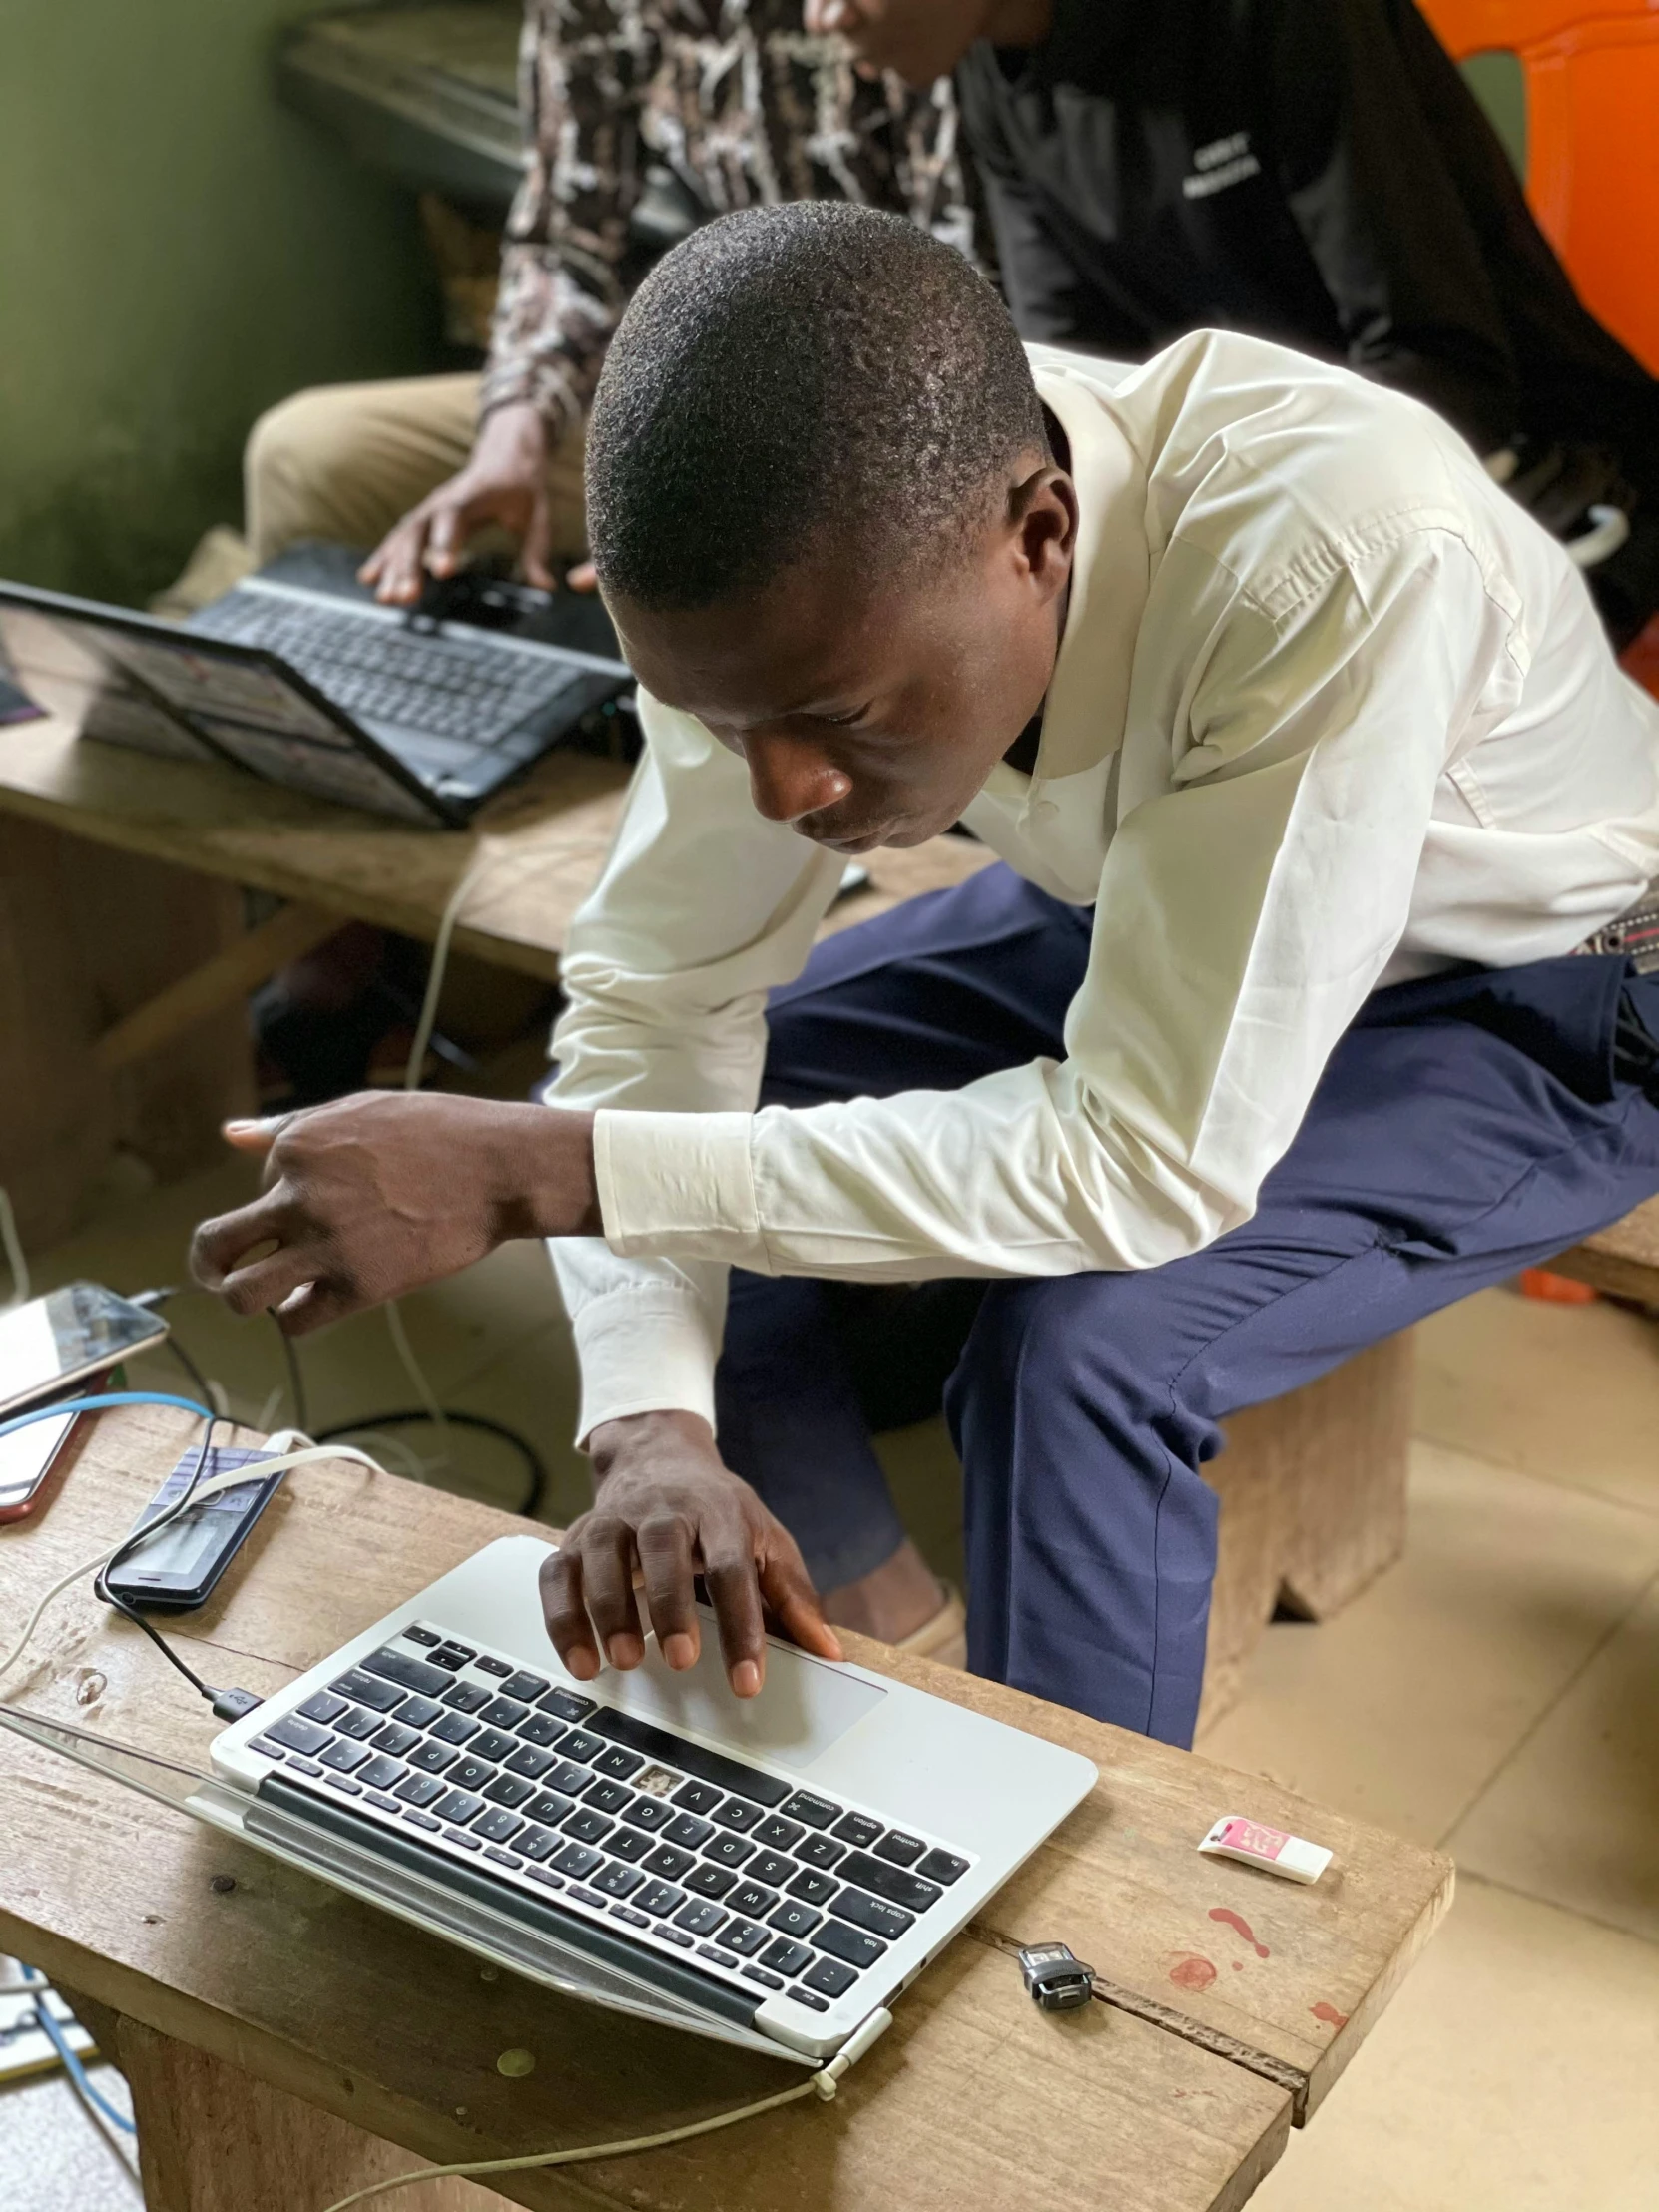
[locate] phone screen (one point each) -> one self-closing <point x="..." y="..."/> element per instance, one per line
<point x="70" y="1332"/>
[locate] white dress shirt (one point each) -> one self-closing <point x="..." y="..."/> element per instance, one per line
<point x="1330" y="712"/>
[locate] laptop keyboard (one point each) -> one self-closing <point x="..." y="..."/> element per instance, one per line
<point x="447" y="686"/>
<point x="761" y="1882"/>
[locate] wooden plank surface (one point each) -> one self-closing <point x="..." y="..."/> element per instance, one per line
<point x="1179" y="2089"/>
<point x="542" y="842"/>
<point x="1623" y="1259"/>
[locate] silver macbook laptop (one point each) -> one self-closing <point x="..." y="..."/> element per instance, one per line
<point x="768" y="1873"/>
<point x="310" y="684"/>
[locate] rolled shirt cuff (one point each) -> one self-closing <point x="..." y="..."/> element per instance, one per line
<point x="679" y="1183"/>
<point x="645" y="1351"/>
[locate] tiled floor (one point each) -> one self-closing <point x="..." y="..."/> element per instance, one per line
<point x="1497" y="1693"/>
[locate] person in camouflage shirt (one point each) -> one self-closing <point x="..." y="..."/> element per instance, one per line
<point x="643" y="117"/>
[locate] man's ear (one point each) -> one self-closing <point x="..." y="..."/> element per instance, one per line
<point x="1043" y="514"/>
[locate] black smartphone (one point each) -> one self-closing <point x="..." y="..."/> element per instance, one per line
<point x="174" y="1570"/>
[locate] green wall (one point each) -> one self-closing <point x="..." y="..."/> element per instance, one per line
<point x="176" y="253"/>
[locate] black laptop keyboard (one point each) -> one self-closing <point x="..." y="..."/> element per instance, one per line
<point x="448" y="686"/>
<point x="759" y="1881"/>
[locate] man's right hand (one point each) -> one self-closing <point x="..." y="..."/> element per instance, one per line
<point x="504" y="481"/>
<point x="668" y="1503"/>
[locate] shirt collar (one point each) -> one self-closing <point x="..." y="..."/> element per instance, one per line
<point x="1088" y="693"/>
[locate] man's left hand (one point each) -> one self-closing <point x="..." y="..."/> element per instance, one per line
<point x="378" y="1194"/>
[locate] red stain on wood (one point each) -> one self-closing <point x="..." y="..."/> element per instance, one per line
<point x="1191" y="1972"/>
<point x="1238" y="1965"/>
<point x="1240" y="1926"/>
<point x="1328" y="2014"/>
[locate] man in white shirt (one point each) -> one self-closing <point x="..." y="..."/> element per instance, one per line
<point x="1244" y="654"/>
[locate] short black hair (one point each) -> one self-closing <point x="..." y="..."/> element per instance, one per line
<point x="788" y="370"/>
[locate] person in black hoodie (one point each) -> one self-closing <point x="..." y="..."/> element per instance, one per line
<point x="1311" y="171"/>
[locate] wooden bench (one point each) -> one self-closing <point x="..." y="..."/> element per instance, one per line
<point x="1623" y="1260"/>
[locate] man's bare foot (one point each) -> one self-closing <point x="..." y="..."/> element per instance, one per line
<point x="900" y="1596"/>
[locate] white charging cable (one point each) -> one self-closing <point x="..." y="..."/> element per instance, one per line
<point x="823" y="2084"/>
<point x="17" y="1264"/>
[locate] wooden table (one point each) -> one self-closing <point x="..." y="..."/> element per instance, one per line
<point x="280" y="2039"/>
<point x="124" y="970"/>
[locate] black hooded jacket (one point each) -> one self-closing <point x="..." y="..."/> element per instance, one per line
<point x="1318" y="172"/>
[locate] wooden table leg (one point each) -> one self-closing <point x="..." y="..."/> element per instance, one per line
<point x="211" y="2138"/>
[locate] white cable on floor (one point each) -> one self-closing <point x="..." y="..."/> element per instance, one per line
<point x="17" y="1264"/>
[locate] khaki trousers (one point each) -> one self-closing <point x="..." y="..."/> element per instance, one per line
<point x="343" y="462"/>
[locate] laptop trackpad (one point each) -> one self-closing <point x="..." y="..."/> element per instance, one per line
<point x="804" y="1706"/>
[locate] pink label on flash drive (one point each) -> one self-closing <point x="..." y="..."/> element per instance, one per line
<point x="1251" y="1835"/>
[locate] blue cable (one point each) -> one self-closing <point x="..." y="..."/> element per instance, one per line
<point x="59" y="1407"/>
<point x="71" y="2062"/>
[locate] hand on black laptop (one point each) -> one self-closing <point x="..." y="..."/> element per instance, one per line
<point x="375" y="1195"/>
<point x="668" y="1502"/>
<point x="505" y="483"/>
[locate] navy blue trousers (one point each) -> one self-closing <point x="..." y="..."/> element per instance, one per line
<point x="1464" y="1128"/>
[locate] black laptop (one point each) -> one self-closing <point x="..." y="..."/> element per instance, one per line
<point x="300" y="677"/>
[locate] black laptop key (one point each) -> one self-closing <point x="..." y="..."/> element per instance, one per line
<point x="812" y="2001"/>
<point x="467" y="1697"/>
<point x="419" y="1712"/>
<point x="819" y="1851"/>
<point x="470" y="1774"/>
<point x="548" y="1805"/>
<point x="458" y="1805"/>
<point x="578" y="1860"/>
<point x="455" y="1728"/>
<point x="364" y="1689"/>
<point x="873" y="1915"/>
<point x="268" y="1747"/>
<point x="407" y="1672"/>
<point x="299" y="1735"/>
<point x="590" y="1897"/>
<point x="736" y="1814"/>
<point x="524" y="1686"/>
<point x="344" y="1754"/>
<point x="324" y="1707"/>
<point x="419" y="1788"/>
<point x="649" y="1813"/>
<point x="433" y="1757"/>
<point x="451" y="1655"/>
<point x="816" y="1812"/>
<point x="497" y="1825"/>
<point x="567" y="1778"/>
<point x="396" y="1739"/>
<point x="546" y="1876"/>
<point x="849" y="1945"/>
<point x="498" y="1667"/>
<point x="829" y="1978"/>
<point x="502" y="1858"/>
<point x="760" y="1975"/>
<point x="492" y="1745"/>
<point x="698" y="1797"/>
<point x="296" y="1765"/>
<point x="619" y="1761"/>
<point x="509" y="1789"/>
<point x="857" y="1828"/>
<point x="528" y="1760"/>
<point x="427" y="1638"/>
<point x="355" y="1722"/>
<point x="726" y="1850"/>
<point x="692" y="1759"/>
<point x="618" y="1879"/>
<point x="778" y="1833"/>
<point x="627" y="1913"/>
<point x="902" y="1849"/>
<point x="792" y="1918"/>
<point x="943" y="1866"/>
<point x="503" y="1712"/>
<point x="770" y="1867"/>
<point x="811" y="1888"/>
<point x="606" y="1797"/>
<point x="579" y="1744"/>
<point x="709" y="1880"/>
<point x="721" y="1957"/>
<point x="343" y="1781"/>
<point x="421" y="1819"/>
<point x="565" y="1705"/>
<point x="671" y="1935"/>
<point x="381" y="1771"/>
<point x="890" y="1882"/>
<point x="670" y="1860"/>
<point x="586" y="1824"/>
<point x="699" y="1918"/>
<point x="541" y="1727"/>
<point x="785" y="1957"/>
<point x="631" y="1844"/>
<point x="659" y="1899"/>
<point x="744" y="1938"/>
<point x="687" y="1831"/>
<point x="754" y="1902"/>
<point x="536" y="1843"/>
